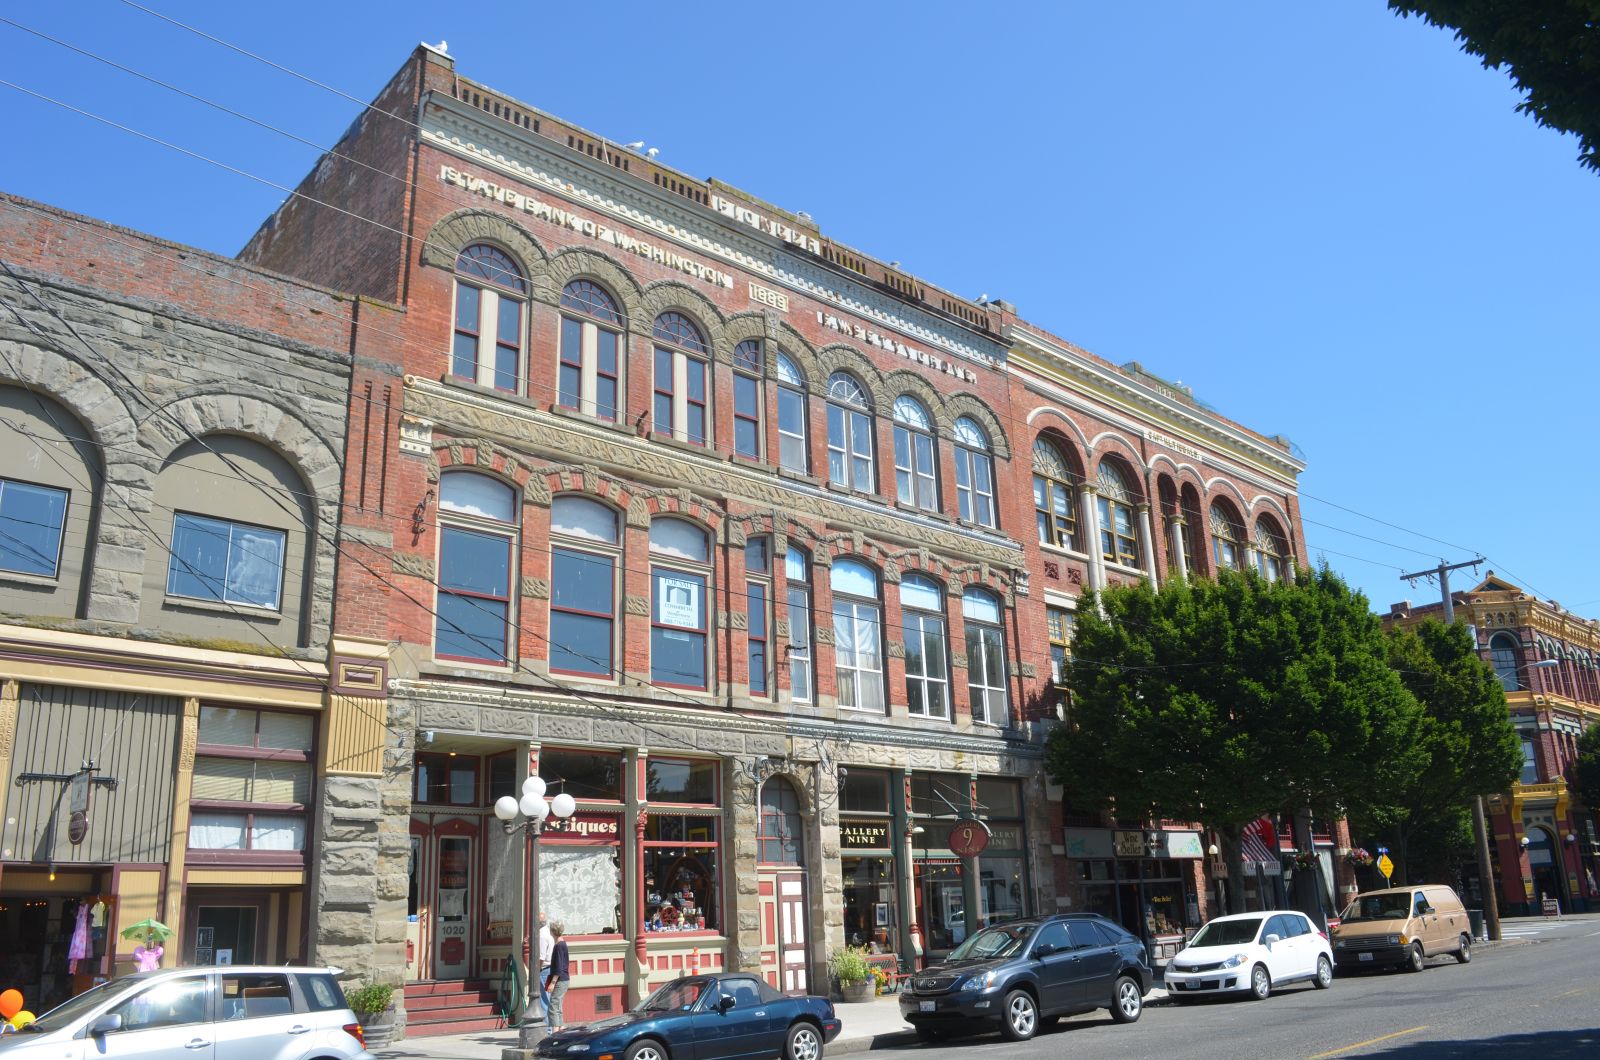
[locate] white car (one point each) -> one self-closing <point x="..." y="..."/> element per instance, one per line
<point x="1252" y="953"/>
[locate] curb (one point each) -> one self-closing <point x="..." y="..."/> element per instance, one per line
<point x="863" y="1044"/>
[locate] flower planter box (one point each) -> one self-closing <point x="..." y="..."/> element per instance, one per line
<point x="853" y="992"/>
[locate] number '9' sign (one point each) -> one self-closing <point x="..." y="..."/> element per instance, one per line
<point x="968" y="838"/>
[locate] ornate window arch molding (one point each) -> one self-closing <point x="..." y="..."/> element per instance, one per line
<point x="841" y="358"/>
<point x="1048" y="418"/>
<point x="576" y="263"/>
<point x="1108" y="443"/>
<point x="967" y="403"/>
<point x="456" y="231"/>
<point x="670" y="296"/>
<point x="1222" y="488"/>
<point x="64" y="379"/>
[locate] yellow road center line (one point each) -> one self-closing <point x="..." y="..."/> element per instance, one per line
<point x="1574" y="993"/>
<point x="1369" y="1041"/>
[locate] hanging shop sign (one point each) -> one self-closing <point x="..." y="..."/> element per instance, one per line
<point x="1128" y="843"/>
<point x="968" y="838"/>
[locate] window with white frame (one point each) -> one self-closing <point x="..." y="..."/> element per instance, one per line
<point x="1119" y="533"/>
<point x="591" y="340"/>
<point x="849" y="434"/>
<point x="1227" y="537"/>
<point x="680" y="572"/>
<point x="974" y="473"/>
<point x="915" y="477"/>
<point x="986" y="656"/>
<point x="1530" y="763"/>
<point x="1272" y="550"/>
<point x="1055" y="498"/>
<point x="233" y="563"/>
<point x="1503" y="655"/>
<point x="31" y="518"/>
<point x="584" y="556"/>
<point x="679" y="400"/>
<point x="758" y="617"/>
<point x="794" y="451"/>
<point x="857" y="635"/>
<point x="797" y="584"/>
<point x="1060" y="622"/>
<point x="252" y="781"/>
<point x="490" y="295"/>
<point x="748" y="393"/>
<point x="927" y="651"/>
<point x="477" y="553"/>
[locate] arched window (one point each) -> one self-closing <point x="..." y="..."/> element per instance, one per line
<point x="680" y="571"/>
<point x="849" y="434"/>
<point x="927" y="647"/>
<point x="1119" y="534"/>
<point x="591" y="337"/>
<point x="793" y="449"/>
<point x="915" y="482"/>
<point x="1272" y="549"/>
<point x="797" y="576"/>
<point x="780" y="834"/>
<point x="1055" y="499"/>
<point x="477" y="564"/>
<point x="986" y="656"/>
<point x="1227" y="537"/>
<point x="1504" y="653"/>
<point x="857" y="635"/>
<point x="490" y="292"/>
<point x="584" y="556"/>
<point x="749" y="362"/>
<point x="974" y="473"/>
<point x="758" y="607"/>
<point x="679" y="403"/>
<point x="49" y="492"/>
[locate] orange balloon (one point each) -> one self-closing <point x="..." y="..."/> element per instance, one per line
<point x="10" y="1003"/>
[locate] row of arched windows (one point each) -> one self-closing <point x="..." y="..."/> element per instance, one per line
<point x="476" y="620"/>
<point x="490" y="304"/>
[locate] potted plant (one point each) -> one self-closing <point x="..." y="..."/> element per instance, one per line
<point x="1358" y="857"/>
<point x="372" y="1005"/>
<point x="854" y="976"/>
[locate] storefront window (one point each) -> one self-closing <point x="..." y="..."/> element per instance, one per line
<point x="780" y="835"/>
<point x="1000" y="889"/>
<point x="252" y="782"/>
<point x="582" y="774"/>
<point x="941" y="906"/>
<point x="680" y="780"/>
<point x="864" y="791"/>
<point x="580" y="881"/>
<point x="447" y="780"/>
<point x="871" y="915"/>
<point x="681" y="874"/>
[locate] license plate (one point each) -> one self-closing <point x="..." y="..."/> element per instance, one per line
<point x="1363" y="956"/>
<point x="929" y="1006"/>
<point x="1189" y="986"/>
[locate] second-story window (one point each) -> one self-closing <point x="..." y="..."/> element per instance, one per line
<point x="927" y="655"/>
<point x="747" y="395"/>
<point x="584" y="557"/>
<point x="1119" y="535"/>
<point x="793" y="447"/>
<point x="915" y="482"/>
<point x="974" y="473"/>
<point x="1055" y="500"/>
<point x="591" y="336"/>
<point x="233" y="563"/>
<point x="679" y="403"/>
<point x="477" y="558"/>
<point x="1272" y="551"/>
<point x="1060" y="622"/>
<point x="797" y="578"/>
<point x="1227" y="537"/>
<point x="849" y="434"/>
<point x="986" y="656"/>
<point x="31" y="518"/>
<point x="1503" y="652"/>
<point x="758" y="607"/>
<point x="857" y="635"/>
<point x="490" y="293"/>
<point x="680" y="568"/>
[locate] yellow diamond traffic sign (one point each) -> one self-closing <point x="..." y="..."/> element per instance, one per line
<point x="1385" y="866"/>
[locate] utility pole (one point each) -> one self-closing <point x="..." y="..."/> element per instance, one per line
<point x="1480" y="825"/>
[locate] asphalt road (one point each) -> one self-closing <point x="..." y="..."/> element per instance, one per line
<point x="1536" y="995"/>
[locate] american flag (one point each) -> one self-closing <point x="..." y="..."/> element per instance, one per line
<point x="1260" y="841"/>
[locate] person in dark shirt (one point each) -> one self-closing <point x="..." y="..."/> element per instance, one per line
<point x="557" y="977"/>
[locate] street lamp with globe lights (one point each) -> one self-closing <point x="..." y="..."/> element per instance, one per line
<point x="534" y="809"/>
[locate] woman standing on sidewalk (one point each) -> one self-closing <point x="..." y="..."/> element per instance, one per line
<point x="558" y="976"/>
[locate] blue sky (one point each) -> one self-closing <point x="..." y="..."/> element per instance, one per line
<point x="1327" y="220"/>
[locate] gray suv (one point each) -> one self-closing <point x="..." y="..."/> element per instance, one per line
<point x="231" y="1013"/>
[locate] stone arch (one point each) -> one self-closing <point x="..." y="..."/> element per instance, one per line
<point x="454" y="232"/>
<point x="67" y="381"/>
<point x="575" y="263"/>
<point x="218" y="411"/>
<point x="1062" y="423"/>
<point x="969" y="404"/>
<point x="670" y="295"/>
<point x="802" y="353"/>
<point x="683" y="505"/>
<point x="841" y="358"/>
<point x="904" y="381"/>
<point x="588" y="482"/>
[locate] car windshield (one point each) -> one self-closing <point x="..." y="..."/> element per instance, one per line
<point x="677" y="996"/>
<point x="1228" y="933"/>
<point x="1006" y="940"/>
<point x="70" y="1011"/>
<point x="1378" y="907"/>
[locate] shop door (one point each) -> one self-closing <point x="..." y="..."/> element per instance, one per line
<point x="452" y="907"/>
<point x="225" y="934"/>
<point x="793" y="953"/>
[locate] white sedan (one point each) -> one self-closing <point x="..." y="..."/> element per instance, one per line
<point x="1251" y="952"/>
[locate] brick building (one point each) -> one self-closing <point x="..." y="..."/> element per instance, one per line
<point x="172" y="434"/>
<point x="1543" y="844"/>
<point x="763" y="550"/>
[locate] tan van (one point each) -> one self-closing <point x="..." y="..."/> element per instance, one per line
<point x="1401" y="926"/>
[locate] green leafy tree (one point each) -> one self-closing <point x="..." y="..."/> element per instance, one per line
<point x="1550" y="47"/>
<point x="1586" y="770"/>
<point x="1221" y="701"/>
<point x="1467" y="741"/>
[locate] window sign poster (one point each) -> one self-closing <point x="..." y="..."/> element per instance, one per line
<point x="678" y="601"/>
<point x="224" y="956"/>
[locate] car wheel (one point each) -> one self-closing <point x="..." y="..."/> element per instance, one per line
<point x="1324" y="978"/>
<point x="1464" y="951"/>
<point x="1414" y="958"/>
<point x="1019" y="1016"/>
<point x="645" y="1049"/>
<point x="1260" y="982"/>
<point x="1127" y="1000"/>
<point x="929" y="1034"/>
<point x="804" y="1043"/>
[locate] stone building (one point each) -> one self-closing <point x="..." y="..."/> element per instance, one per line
<point x="1543" y="842"/>
<point x="172" y="698"/>
<point x="762" y="549"/>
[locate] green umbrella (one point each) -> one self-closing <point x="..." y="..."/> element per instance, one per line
<point x="147" y="928"/>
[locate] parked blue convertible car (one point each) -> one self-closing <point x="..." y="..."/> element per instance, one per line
<point x="705" y="1017"/>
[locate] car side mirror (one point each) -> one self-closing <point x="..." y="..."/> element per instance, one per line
<point x="725" y="1002"/>
<point x="106" y="1025"/>
<point x="1044" y="949"/>
<point x="1270" y="939"/>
